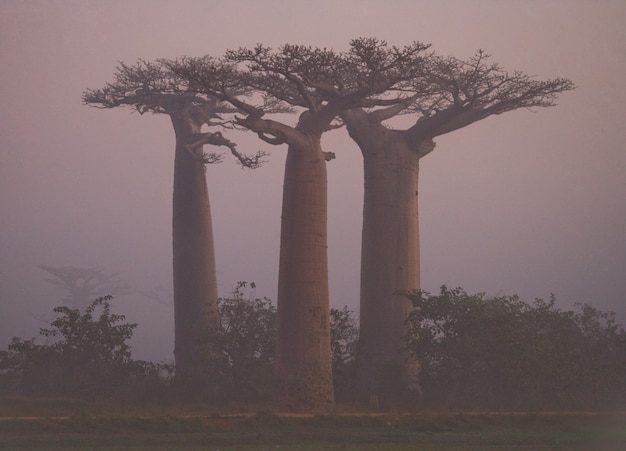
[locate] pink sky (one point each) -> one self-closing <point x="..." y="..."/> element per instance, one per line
<point x="525" y="203"/>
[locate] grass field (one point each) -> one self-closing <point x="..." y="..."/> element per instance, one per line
<point x="269" y="431"/>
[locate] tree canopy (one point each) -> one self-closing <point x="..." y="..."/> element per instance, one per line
<point x="321" y="81"/>
<point x="456" y="92"/>
<point x="151" y="87"/>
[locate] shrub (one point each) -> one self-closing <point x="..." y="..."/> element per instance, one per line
<point x="246" y="343"/>
<point x="502" y="353"/>
<point x="237" y="362"/>
<point x="86" y="354"/>
<point x="239" y="356"/>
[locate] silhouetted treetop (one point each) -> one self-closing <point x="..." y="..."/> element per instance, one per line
<point x="454" y="93"/>
<point x="322" y="82"/>
<point x="308" y="77"/>
<point x="150" y="86"/>
<point x="82" y="285"/>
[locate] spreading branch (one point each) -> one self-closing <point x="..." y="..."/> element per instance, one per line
<point x="456" y="93"/>
<point x="217" y="139"/>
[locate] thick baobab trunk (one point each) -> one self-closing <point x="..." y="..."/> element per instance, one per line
<point x="390" y="263"/>
<point x="195" y="284"/>
<point x="303" y="360"/>
<point x="390" y="260"/>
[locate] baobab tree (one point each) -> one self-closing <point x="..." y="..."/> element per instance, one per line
<point x="83" y="285"/>
<point x="447" y="95"/>
<point x="152" y="87"/>
<point x="319" y="84"/>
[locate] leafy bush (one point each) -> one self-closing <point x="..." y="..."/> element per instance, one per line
<point x="475" y="352"/>
<point x="239" y="357"/>
<point x="245" y="344"/>
<point x="502" y="353"/>
<point x="86" y="354"/>
<point x="237" y="362"/>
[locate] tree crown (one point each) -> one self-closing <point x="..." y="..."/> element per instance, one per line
<point x="454" y="93"/>
<point x="152" y="86"/>
<point x="320" y="82"/>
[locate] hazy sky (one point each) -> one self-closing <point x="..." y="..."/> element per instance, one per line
<point x="527" y="203"/>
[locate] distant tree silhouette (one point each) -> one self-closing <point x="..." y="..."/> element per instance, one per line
<point x="83" y="285"/>
<point x="152" y="87"/>
<point x="447" y="94"/>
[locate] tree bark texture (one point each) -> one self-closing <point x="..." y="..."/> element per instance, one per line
<point x="195" y="281"/>
<point x="303" y="359"/>
<point x="390" y="260"/>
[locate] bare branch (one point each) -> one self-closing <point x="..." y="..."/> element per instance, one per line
<point x="383" y="114"/>
<point x="214" y="78"/>
<point x="217" y="139"/>
<point x="211" y="158"/>
<point x="274" y="140"/>
<point x="272" y="132"/>
<point x="456" y="93"/>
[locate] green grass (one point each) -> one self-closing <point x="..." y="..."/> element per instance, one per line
<point x="342" y="432"/>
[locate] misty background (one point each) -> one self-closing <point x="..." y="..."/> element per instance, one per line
<point x="527" y="203"/>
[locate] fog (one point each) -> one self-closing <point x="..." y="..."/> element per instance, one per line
<point x="528" y="202"/>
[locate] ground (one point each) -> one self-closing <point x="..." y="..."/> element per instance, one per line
<point x="83" y="426"/>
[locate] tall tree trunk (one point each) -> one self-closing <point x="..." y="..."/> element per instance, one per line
<point x="303" y="360"/>
<point x="390" y="263"/>
<point x="195" y="282"/>
<point x="390" y="260"/>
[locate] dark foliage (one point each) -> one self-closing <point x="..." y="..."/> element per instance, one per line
<point x="475" y="352"/>
<point x="239" y="358"/>
<point x="240" y="355"/>
<point x="85" y="355"/>
<point x="502" y="353"/>
<point x="344" y="336"/>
